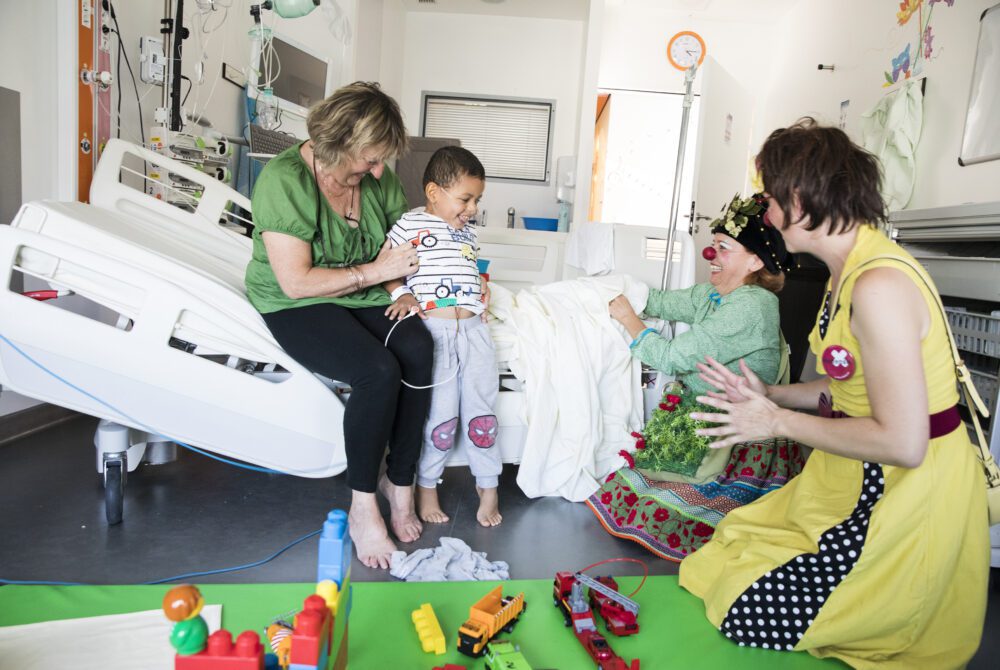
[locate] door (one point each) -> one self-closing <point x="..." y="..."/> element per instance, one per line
<point x="722" y="159"/>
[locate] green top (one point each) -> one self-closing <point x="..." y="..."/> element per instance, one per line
<point x="284" y="201"/>
<point x="743" y="324"/>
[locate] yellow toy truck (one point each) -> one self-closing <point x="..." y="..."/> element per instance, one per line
<point x="489" y="616"/>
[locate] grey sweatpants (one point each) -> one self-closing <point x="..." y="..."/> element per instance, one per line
<point x="463" y="406"/>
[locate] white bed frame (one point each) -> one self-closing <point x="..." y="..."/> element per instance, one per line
<point x="180" y="353"/>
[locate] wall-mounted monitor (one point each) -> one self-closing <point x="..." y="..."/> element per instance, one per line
<point x="300" y="77"/>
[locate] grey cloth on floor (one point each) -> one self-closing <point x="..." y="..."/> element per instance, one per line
<point x="453" y="561"/>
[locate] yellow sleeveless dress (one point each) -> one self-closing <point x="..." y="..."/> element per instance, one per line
<point x="879" y="566"/>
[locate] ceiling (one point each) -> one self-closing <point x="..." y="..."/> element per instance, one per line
<point x="720" y="10"/>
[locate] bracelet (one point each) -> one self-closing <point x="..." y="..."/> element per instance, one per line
<point x="638" y="338"/>
<point x="399" y="292"/>
<point x="357" y="276"/>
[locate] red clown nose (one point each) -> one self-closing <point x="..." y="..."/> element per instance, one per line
<point x="708" y="253"/>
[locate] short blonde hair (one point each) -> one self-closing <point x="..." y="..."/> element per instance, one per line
<point x="353" y="118"/>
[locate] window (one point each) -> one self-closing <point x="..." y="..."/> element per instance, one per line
<point x="510" y="137"/>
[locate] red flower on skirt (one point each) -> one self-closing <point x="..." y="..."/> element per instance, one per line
<point x="610" y="478"/>
<point x="703" y="530"/>
<point x="606" y="497"/>
<point x="619" y="520"/>
<point x="747" y="472"/>
<point x="783" y="453"/>
<point x="661" y="515"/>
<point x="631" y="517"/>
<point x="631" y="499"/>
<point x="674" y="540"/>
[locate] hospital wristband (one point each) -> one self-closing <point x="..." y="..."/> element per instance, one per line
<point x="399" y="292"/>
<point x="638" y="338"/>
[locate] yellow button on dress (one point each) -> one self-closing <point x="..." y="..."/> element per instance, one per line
<point x="877" y="565"/>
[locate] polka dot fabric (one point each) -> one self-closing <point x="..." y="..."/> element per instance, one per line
<point x="777" y="609"/>
<point x="824" y="316"/>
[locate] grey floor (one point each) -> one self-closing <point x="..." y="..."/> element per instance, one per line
<point x="197" y="514"/>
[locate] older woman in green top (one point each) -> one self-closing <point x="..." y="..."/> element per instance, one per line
<point x="321" y="211"/>
<point x="733" y="317"/>
<point x="675" y="489"/>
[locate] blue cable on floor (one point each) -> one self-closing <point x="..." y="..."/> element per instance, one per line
<point x="176" y="577"/>
<point x="141" y="425"/>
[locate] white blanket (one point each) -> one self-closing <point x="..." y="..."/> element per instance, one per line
<point x="582" y="386"/>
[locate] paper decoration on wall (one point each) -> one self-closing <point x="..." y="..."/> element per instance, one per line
<point x="891" y="131"/>
<point x="910" y="61"/>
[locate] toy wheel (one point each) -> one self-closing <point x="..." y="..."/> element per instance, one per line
<point x="441" y="292"/>
<point x="429" y="241"/>
<point x="114" y="492"/>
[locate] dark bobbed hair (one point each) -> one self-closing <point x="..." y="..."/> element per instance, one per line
<point x="449" y="164"/>
<point x="836" y="181"/>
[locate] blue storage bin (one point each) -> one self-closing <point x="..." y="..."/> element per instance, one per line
<point x="540" y="223"/>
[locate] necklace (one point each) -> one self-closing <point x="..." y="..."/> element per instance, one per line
<point x="349" y="213"/>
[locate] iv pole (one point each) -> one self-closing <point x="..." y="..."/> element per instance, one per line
<point x="678" y="173"/>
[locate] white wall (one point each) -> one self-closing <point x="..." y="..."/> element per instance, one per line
<point x="634" y="47"/>
<point x="860" y="37"/>
<point x="38" y="85"/>
<point x="393" y="42"/>
<point x="498" y="56"/>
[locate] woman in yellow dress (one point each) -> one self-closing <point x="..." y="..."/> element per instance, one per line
<point x="878" y="553"/>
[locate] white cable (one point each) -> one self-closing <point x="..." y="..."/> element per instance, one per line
<point x="405" y="383"/>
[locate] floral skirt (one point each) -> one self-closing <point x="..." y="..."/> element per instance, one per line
<point x="672" y="519"/>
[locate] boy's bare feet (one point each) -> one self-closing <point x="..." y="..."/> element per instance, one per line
<point x="368" y="531"/>
<point x="428" y="506"/>
<point x="402" y="515"/>
<point x="488" y="513"/>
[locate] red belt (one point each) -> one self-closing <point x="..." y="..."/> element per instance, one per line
<point x="942" y="422"/>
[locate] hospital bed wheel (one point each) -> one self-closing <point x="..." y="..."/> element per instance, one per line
<point x="114" y="491"/>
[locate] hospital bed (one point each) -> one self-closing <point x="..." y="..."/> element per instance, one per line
<point x="171" y="349"/>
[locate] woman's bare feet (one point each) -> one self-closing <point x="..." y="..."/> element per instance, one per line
<point x="402" y="515"/>
<point x="488" y="513"/>
<point x="368" y="531"/>
<point x="428" y="506"/>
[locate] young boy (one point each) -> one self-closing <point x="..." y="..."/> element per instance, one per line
<point x="447" y="288"/>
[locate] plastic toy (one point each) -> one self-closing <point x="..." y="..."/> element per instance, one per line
<point x="428" y="629"/>
<point x="449" y="666"/>
<point x="182" y="604"/>
<point x="489" y="616"/>
<point x="503" y="655"/>
<point x="221" y="654"/>
<point x="334" y="548"/>
<point x="311" y="636"/>
<point x="618" y="611"/>
<point x="576" y="611"/>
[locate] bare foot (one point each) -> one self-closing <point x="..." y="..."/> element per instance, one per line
<point x="402" y="515"/>
<point x="428" y="506"/>
<point x="488" y="513"/>
<point x="368" y="532"/>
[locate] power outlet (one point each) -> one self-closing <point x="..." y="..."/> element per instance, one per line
<point x="151" y="60"/>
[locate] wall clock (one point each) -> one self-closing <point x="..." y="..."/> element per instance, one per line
<point x="685" y="49"/>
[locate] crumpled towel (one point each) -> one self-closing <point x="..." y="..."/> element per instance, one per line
<point x="453" y="561"/>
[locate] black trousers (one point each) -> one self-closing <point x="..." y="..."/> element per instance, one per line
<point x="347" y="345"/>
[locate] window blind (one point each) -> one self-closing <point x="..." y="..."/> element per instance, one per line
<point x="510" y="137"/>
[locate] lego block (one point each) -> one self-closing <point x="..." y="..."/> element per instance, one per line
<point x="428" y="629"/>
<point x="221" y="654"/>
<point x="334" y="548"/>
<point x="450" y="666"/>
<point x="311" y="635"/>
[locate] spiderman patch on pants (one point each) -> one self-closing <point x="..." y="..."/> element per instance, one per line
<point x="483" y="431"/>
